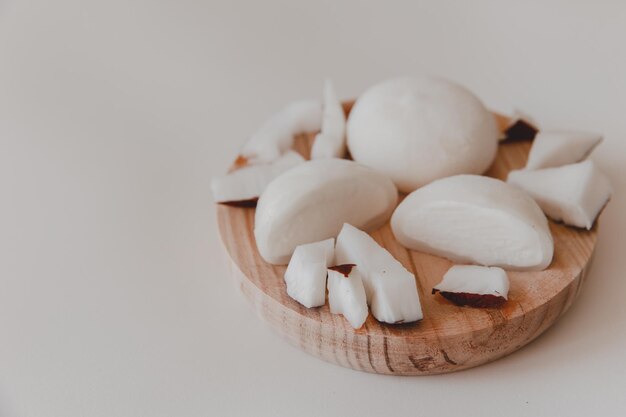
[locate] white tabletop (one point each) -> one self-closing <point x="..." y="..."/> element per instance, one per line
<point x="115" y="295"/>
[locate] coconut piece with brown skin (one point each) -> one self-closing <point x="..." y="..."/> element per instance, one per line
<point x="391" y="290"/>
<point x="517" y="127"/>
<point x="346" y="294"/>
<point x="244" y="186"/>
<point x="475" y="286"/>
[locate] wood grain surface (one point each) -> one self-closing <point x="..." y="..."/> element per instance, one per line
<point x="449" y="338"/>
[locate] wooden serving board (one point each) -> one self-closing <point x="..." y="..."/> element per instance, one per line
<point x="449" y="338"/>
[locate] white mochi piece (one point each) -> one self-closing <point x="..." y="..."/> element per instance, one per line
<point x="306" y="274"/>
<point x="311" y="202"/>
<point x="475" y="219"/>
<point x="474" y="279"/>
<point x="574" y="194"/>
<point x="416" y="130"/>
<point x="331" y="141"/>
<point x="554" y="149"/>
<point x="391" y="289"/>
<point x="346" y="294"/>
<point x="276" y="135"/>
<point x="248" y="183"/>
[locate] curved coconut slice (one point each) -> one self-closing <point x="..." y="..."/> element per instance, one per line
<point x="475" y="219"/>
<point x="331" y="141"/>
<point x="306" y="274"/>
<point x="276" y="135"/>
<point x="476" y="286"/>
<point x="391" y="290"/>
<point x="244" y="186"/>
<point x="574" y="194"/>
<point x="554" y="149"/>
<point x="346" y="295"/>
<point x="312" y="201"/>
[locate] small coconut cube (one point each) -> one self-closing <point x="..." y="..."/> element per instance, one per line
<point x="244" y="186"/>
<point x="391" y="290"/>
<point x="346" y="294"/>
<point x="307" y="270"/>
<point x="554" y="149"/>
<point x="473" y="285"/>
<point x="574" y="194"/>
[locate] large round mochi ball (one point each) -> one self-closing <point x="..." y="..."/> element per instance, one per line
<point x="417" y="130"/>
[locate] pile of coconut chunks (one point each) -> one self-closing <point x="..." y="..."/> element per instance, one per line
<point x="357" y="272"/>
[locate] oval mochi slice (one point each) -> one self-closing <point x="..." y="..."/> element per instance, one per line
<point x="312" y="201"/>
<point x="475" y="219"/>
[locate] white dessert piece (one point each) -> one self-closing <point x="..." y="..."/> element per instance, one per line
<point x="306" y="273"/>
<point x="475" y="219"/>
<point x="276" y="135"/>
<point x="416" y="130"/>
<point x="346" y="295"/>
<point x="245" y="185"/>
<point x="311" y="202"/>
<point x="391" y="289"/>
<point x="554" y="149"/>
<point x="477" y="286"/>
<point x="331" y="141"/>
<point x="574" y="194"/>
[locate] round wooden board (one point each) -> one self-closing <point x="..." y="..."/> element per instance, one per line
<point x="449" y="338"/>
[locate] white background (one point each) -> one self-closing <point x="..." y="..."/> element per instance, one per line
<point x="115" y="297"/>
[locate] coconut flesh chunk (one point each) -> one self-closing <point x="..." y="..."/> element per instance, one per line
<point x="311" y="202"/>
<point x="519" y="126"/>
<point x="574" y="194"/>
<point x="390" y="289"/>
<point x="346" y="295"/>
<point x="475" y="219"/>
<point x="331" y="141"/>
<point x="306" y="274"/>
<point x="276" y="135"/>
<point x="244" y="186"/>
<point x="473" y="285"/>
<point x="554" y="149"/>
